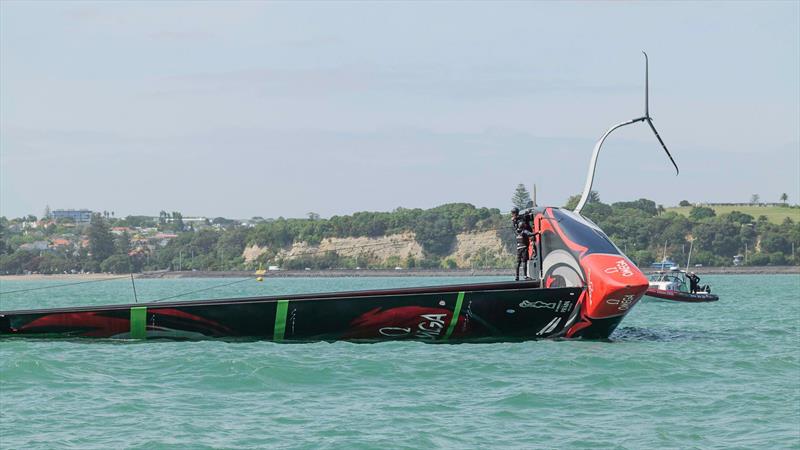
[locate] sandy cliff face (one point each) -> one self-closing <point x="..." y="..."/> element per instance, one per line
<point x="380" y="249"/>
<point x="252" y="253"/>
<point x="468" y="245"/>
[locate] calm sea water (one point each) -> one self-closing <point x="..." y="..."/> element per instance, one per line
<point x="714" y="375"/>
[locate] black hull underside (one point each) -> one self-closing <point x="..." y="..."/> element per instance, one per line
<point x="486" y="312"/>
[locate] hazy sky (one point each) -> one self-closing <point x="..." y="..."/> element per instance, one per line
<point x="277" y="109"/>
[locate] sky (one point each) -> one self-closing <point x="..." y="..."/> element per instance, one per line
<point x="242" y="109"/>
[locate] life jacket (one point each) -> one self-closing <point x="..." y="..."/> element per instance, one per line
<point x="524" y="232"/>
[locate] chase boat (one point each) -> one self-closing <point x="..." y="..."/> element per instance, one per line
<point x="673" y="285"/>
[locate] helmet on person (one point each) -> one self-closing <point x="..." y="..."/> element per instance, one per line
<point x="515" y="210"/>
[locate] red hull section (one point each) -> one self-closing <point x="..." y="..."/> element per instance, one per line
<point x="575" y="252"/>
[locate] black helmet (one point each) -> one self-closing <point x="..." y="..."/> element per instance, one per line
<point x="514" y="210"/>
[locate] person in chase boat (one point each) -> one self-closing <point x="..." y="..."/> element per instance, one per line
<point x="694" y="284"/>
<point x="521" y="221"/>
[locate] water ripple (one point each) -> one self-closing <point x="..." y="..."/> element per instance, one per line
<point x="675" y="376"/>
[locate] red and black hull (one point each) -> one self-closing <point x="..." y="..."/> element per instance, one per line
<point x="573" y="251"/>
<point x="459" y="313"/>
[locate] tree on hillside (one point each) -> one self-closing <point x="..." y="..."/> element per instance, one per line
<point x="223" y="222"/>
<point x="122" y="245"/>
<point x="701" y="212"/>
<point x="784" y="198"/>
<point x="117" y="264"/>
<point x="684" y="203"/>
<point x="737" y="217"/>
<point x="596" y="210"/>
<point x="2" y="238"/>
<point x="435" y="233"/>
<point x="138" y="221"/>
<point x="643" y="204"/>
<point x="755" y="199"/>
<point x="313" y="216"/>
<point x="521" y="197"/>
<point x="573" y="200"/>
<point x="233" y="242"/>
<point x="101" y="241"/>
<point x="162" y="218"/>
<point x="177" y="221"/>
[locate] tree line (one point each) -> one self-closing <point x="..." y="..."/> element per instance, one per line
<point x="640" y="228"/>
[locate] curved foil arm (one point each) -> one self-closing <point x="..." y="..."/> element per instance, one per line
<point x="587" y="188"/>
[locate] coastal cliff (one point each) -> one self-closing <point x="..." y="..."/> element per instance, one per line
<point x="471" y="249"/>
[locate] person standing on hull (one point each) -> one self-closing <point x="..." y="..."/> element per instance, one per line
<point x="521" y="221"/>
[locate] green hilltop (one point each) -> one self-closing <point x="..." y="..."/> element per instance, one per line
<point x="774" y="213"/>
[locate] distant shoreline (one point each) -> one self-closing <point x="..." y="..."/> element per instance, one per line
<point x="63" y="276"/>
<point x="344" y="273"/>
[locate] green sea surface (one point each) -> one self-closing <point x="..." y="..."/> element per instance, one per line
<point x="673" y="375"/>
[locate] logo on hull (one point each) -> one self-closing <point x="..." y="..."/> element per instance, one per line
<point x="622" y="267"/>
<point x="623" y="304"/>
<point x="430" y="327"/>
<point x="537" y="304"/>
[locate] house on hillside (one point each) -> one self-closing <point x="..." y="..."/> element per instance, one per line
<point x="162" y="239"/>
<point x="29" y="225"/>
<point x="60" y="243"/>
<point x="36" y="246"/>
<point x="119" y="231"/>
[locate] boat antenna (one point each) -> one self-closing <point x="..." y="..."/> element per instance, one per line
<point x="135" y="297"/>
<point x="689" y="259"/>
<point x="646" y="118"/>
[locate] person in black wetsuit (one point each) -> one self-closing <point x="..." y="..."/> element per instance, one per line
<point x="694" y="282"/>
<point x="522" y="229"/>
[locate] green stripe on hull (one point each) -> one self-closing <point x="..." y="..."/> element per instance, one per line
<point x="138" y="322"/>
<point x="454" y="319"/>
<point x="280" y="320"/>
